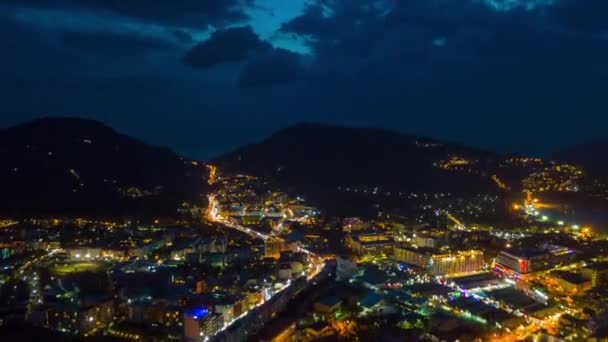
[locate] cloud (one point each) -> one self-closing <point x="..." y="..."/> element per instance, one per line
<point x="364" y="38"/>
<point x="114" y="43"/>
<point x="182" y="36"/>
<point x="181" y="13"/>
<point x="516" y="63"/>
<point x="590" y="16"/>
<point x="263" y="64"/>
<point x="278" y="66"/>
<point x="226" y="46"/>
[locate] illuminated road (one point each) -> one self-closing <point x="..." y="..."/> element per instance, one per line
<point x="315" y="267"/>
<point x="212" y="174"/>
<point x="213" y="216"/>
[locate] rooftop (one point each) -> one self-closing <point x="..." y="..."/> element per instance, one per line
<point x="197" y="312"/>
<point x="573" y="278"/>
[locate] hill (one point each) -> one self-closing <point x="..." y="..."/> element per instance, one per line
<point x="82" y="168"/>
<point x="590" y="156"/>
<point x="318" y="160"/>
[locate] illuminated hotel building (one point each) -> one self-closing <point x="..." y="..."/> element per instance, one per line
<point x="461" y="262"/>
<point x="370" y="243"/>
<point x="528" y="261"/>
<point x="437" y="263"/>
<point x="413" y="256"/>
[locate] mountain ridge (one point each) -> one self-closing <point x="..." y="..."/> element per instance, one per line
<point x="317" y="159"/>
<point x="81" y="167"/>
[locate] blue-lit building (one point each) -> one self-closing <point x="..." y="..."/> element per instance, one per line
<point x="200" y="323"/>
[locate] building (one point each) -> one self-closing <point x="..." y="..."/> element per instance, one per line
<point x="461" y="262"/>
<point x="253" y="297"/>
<point x="328" y="306"/>
<point x="169" y="316"/>
<point x="318" y="330"/>
<point x="181" y="253"/>
<point x="529" y="261"/>
<point x="285" y="271"/>
<point x="77" y="319"/>
<point x="597" y="273"/>
<point x="571" y="282"/>
<point x="370" y="243"/>
<point x="440" y="263"/>
<point x="84" y="253"/>
<point x="412" y="255"/>
<point x="273" y="247"/>
<point x="433" y="239"/>
<point x="200" y="323"/>
<point x="229" y="306"/>
<point x="345" y="268"/>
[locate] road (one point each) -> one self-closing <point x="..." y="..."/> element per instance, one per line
<point x="213" y="216"/>
<point x="316" y="265"/>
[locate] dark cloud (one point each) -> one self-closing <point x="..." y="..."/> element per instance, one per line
<point x="445" y="38"/>
<point x="28" y="53"/>
<point x="182" y="36"/>
<point x="264" y="65"/>
<point x="278" y="66"/>
<point x="189" y="13"/>
<point x="434" y="65"/>
<point x="226" y="46"/>
<point x="114" y="43"/>
<point x="589" y="15"/>
<point x="454" y="69"/>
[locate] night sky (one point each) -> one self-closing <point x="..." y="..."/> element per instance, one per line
<point x="205" y="76"/>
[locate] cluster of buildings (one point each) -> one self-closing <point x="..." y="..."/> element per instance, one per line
<point x="556" y="178"/>
<point x="436" y="262"/>
<point x="426" y="250"/>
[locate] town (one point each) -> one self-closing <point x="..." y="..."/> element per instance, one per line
<point x="263" y="262"/>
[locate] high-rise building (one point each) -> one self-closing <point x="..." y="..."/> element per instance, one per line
<point x="200" y="323"/>
<point x="440" y="263"/>
<point x="273" y="247"/>
<point x="461" y="262"/>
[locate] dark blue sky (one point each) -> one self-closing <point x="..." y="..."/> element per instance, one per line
<point x="203" y="77"/>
